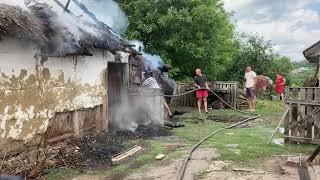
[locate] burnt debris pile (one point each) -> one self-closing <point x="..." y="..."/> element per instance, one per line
<point x="88" y="152"/>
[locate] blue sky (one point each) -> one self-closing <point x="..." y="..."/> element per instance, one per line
<point x="292" y="25"/>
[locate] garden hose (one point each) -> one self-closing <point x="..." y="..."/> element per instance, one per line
<point x="194" y="147"/>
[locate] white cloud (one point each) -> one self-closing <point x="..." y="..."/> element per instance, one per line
<point x="291" y="25"/>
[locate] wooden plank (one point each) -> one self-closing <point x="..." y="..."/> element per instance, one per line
<point x="287" y="94"/>
<point x="317" y="115"/>
<point x="303" y="172"/>
<point x="314" y="154"/>
<point x="286" y="126"/>
<point x="302" y="111"/>
<point x="294" y="113"/>
<point x="309" y="97"/>
<point x="303" y="140"/>
<point x="184" y="97"/>
<point x="126" y="154"/>
<point x="178" y="92"/>
<point x="310" y="103"/>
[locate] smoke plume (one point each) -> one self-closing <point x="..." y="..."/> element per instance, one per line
<point x="155" y="60"/>
<point x="110" y="13"/>
<point x="135" y="110"/>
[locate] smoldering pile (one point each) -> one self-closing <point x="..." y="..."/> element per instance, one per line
<point x="91" y="151"/>
<point x="43" y="27"/>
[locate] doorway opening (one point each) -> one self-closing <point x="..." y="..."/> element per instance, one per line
<point x="117" y="88"/>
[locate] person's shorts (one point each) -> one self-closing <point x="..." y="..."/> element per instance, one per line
<point x="250" y="92"/>
<point x="202" y="93"/>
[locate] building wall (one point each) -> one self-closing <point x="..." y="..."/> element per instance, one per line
<point x="36" y="91"/>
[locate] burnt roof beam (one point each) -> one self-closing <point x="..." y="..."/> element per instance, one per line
<point x="90" y="14"/>
<point x="64" y="7"/>
<point x="67" y="5"/>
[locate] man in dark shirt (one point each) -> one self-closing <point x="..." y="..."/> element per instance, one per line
<point x="200" y="81"/>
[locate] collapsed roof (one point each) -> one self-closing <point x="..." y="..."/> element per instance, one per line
<point x="44" y="28"/>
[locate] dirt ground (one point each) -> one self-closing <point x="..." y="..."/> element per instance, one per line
<point x="204" y="166"/>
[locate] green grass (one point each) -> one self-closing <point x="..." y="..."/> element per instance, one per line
<point x="60" y="173"/>
<point x="138" y="164"/>
<point x="252" y="140"/>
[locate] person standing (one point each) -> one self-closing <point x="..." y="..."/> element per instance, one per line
<point x="250" y="84"/>
<point x="280" y="82"/>
<point x="151" y="82"/>
<point x="200" y="81"/>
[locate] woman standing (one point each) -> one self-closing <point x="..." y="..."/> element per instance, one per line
<point x="280" y="82"/>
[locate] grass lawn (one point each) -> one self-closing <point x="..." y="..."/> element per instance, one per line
<point x="252" y="142"/>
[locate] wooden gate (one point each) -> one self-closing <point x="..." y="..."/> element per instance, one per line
<point x="302" y="123"/>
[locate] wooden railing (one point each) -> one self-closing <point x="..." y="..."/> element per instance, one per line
<point x="229" y="89"/>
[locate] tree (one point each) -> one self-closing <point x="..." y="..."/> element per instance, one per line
<point x="186" y="33"/>
<point x="255" y="51"/>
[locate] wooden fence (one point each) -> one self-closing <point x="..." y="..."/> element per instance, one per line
<point x="227" y="88"/>
<point x="302" y="123"/>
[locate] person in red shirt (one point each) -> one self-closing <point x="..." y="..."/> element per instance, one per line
<point x="280" y="83"/>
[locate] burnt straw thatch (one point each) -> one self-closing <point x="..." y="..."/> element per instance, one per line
<point x="312" y="54"/>
<point x="40" y="26"/>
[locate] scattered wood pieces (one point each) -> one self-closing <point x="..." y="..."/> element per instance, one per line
<point x="126" y="154"/>
<point x="242" y="169"/>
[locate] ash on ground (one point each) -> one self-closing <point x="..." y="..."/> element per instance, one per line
<point x="88" y="152"/>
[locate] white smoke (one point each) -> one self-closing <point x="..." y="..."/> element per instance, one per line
<point x="136" y="109"/>
<point x="110" y="13"/>
<point x="155" y="60"/>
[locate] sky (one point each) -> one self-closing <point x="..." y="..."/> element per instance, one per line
<point x="291" y="25"/>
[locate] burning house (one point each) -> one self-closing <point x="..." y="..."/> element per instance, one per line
<point x="59" y="81"/>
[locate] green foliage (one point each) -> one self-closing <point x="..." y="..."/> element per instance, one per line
<point x="297" y="80"/>
<point x="303" y="63"/>
<point x="254" y="50"/>
<point x="191" y="34"/>
<point x="186" y="33"/>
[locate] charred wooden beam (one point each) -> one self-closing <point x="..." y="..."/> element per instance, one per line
<point x="90" y="14"/>
<point x="63" y="7"/>
<point x="314" y="154"/>
<point x="67" y="5"/>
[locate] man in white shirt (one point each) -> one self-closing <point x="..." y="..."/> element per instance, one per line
<point x="151" y="82"/>
<point x="250" y="84"/>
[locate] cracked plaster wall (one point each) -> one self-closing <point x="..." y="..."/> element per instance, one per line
<point x="33" y="89"/>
